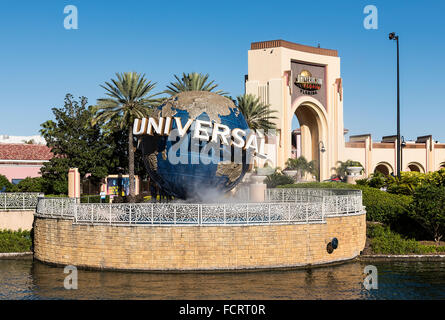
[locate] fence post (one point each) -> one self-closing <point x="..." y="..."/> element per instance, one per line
<point x="152" y="214"/>
<point x="269" y="211"/>
<point x="109" y="206"/>
<point x="307" y="212"/>
<point x="322" y="209"/>
<point x="247" y="214"/>
<point x="224" y="205"/>
<point x="174" y="214"/>
<point x="130" y="213"/>
<point x="23" y="201"/>
<point x="5" y="200"/>
<point x="92" y="216"/>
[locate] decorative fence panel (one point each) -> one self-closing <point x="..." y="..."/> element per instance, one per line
<point x="19" y="201"/>
<point x="281" y="206"/>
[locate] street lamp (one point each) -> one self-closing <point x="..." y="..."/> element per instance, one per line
<point x="393" y="36"/>
<point x="403" y="145"/>
<point x="321" y="149"/>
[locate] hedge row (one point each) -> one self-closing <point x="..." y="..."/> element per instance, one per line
<point x="380" y="206"/>
<point x="387" y="208"/>
<point x="384" y="241"/>
<point x="15" y="241"/>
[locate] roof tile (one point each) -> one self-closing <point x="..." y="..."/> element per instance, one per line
<point x="24" y="152"/>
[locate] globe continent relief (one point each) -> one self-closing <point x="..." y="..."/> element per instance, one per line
<point x="194" y="174"/>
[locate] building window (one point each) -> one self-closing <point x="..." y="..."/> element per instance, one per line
<point x="16" y="181"/>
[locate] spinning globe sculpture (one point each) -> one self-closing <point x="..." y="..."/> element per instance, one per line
<point x="178" y="165"/>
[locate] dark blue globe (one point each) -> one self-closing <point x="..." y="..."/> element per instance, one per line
<point x="179" y="166"/>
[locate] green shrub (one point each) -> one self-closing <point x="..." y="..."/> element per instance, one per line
<point x="56" y="195"/>
<point x="36" y="184"/>
<point x="94" y="199"/>
<point x="329" y="185"/>
<point x="428" y="209"/>
<point x="15" y="241"/>
<point x="410" y="181"/>
<point x="384" y="241"/>
<point x="380" y="206"/>
<point x="377" y="180"/>
<point x="277" y="179"/>
<point x="126" y="199"/>
<point x="362" y="182"/>
<point x="5" y="185"/>
<point x="384" y="207"/>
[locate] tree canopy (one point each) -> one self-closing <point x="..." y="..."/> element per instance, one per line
<point x="76" y="143"/>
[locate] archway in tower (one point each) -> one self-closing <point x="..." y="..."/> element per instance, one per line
<point x="305" y="134"/>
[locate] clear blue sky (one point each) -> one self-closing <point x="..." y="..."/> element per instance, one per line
<point x="41" y="61"/>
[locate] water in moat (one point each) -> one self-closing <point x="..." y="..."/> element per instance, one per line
<point x="27" y="279"/>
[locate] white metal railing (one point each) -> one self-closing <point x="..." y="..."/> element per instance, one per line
<point x="19" y="200"/>
<point x="197" y="214"/>
<point x="288" y="206"/>
<point x="335" y="201"/>
<point x="54" y="207"/>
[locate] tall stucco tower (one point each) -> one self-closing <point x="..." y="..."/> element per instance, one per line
<point x="305" y="81"/>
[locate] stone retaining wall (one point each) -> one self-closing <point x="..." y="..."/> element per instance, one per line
<point x="59" y="241"/>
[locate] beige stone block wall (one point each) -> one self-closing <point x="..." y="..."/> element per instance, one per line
<point x="16" y="219"/>
<point x="61" y="242"/>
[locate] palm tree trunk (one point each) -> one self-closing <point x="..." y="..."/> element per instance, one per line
<point x="131" y="163"/>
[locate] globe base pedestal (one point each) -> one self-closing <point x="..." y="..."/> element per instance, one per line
<point x="257" y="192"/>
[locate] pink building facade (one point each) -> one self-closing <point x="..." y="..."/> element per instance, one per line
<point x="19" y="161"/>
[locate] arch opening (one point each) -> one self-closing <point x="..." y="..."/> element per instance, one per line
<point x="384" y="168"/>
<point x="415" y="167"/>
<point x="307" y="135"/>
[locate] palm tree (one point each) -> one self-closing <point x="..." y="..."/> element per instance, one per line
<point x="192" y="82"/>
<point x="257" y="114"/>
<point x="129" y="97"/>
<point x="301" y="165"/>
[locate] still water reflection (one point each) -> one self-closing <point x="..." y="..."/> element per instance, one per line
<point x="25" y="279"/>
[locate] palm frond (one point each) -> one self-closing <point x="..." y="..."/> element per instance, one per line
<point x="258" y="115"/>
<point x="192" y="82"/>
<point x="128" y="96"/>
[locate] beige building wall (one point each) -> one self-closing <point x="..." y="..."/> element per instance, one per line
<point x="16" y="219"/>
<point x="269" y="65"/>
<point x="270" y="78"/>
<point x="420" y="156"/>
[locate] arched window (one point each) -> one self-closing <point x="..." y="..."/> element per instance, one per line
<point x="415" y="167"/>
<point x="384" y="168"/>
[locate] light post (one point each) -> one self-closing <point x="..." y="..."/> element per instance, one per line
<point x="321" y="149"/>
<point x="393" y="36"/>
<point x="119" y="181"/>
<point x="403" y="144"/>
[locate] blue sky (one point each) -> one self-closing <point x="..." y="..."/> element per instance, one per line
<point x="41" y="61"/>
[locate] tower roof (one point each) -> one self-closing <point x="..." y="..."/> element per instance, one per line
<point x="293" y="46"/>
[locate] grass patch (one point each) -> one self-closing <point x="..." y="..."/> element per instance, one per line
<point x="15" y="241"/>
